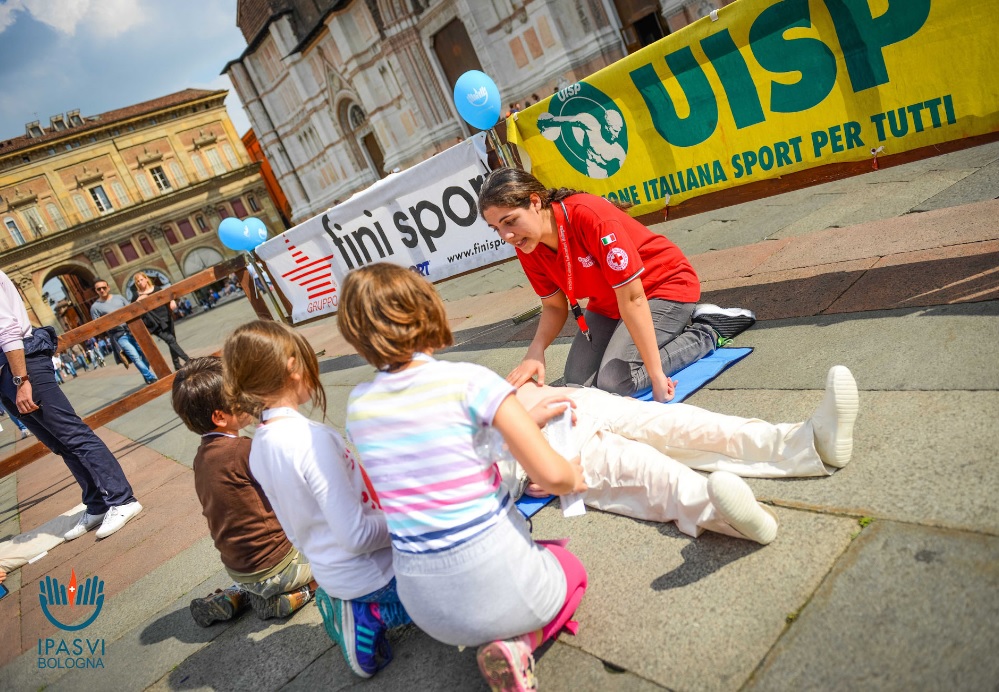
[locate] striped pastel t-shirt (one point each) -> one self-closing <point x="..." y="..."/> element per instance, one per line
<point x="414" y="431"/>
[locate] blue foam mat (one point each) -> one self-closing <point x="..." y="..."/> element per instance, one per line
<point x="688" y="381"/>
<point x="698" y="374"/>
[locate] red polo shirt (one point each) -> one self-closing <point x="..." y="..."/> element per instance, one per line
<point x="608" y="249"/>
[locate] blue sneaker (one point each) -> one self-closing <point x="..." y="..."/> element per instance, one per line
<point x="360" y="635"/>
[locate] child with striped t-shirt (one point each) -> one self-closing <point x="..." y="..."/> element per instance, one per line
<point x="466" y="567"/>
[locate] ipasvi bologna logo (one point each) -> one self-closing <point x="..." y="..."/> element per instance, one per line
<point x="63" y="605"/>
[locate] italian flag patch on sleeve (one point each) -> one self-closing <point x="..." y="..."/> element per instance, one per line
<point x="608" y="239"/>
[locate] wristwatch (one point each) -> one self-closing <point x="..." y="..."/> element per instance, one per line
<point x="19" y="380"/>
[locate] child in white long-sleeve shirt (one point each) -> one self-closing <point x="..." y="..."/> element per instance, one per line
<point x="317" y="490"/>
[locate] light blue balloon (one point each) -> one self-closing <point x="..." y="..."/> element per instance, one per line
<point x="477" y="99"/>
<point x="235" y="234"/>
<point x="256" y="231"/>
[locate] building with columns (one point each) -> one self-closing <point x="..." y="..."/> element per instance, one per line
<point x="342" y="92"/>
<point x="141" y="188"/>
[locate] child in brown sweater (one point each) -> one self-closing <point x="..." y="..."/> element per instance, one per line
<point x="270" y="573"/>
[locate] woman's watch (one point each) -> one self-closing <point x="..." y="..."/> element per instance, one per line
<point x="20" y="379"/>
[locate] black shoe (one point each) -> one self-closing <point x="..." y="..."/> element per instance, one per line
<point x="728" y="322"/>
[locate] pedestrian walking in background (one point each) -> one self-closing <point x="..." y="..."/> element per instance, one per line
<point x="159" y="321"/>
<point x="107" y="303"/>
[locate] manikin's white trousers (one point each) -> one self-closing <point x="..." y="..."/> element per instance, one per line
<point x="638" y="456"/>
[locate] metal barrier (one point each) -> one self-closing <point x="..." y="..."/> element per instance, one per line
<point x="132" y="316"/>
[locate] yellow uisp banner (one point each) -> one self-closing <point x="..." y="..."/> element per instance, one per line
<point x="764" y="88"/>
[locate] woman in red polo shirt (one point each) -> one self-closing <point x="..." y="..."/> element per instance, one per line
<point x="636" y="329"/>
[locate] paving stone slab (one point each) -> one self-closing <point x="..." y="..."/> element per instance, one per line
<point x="828" y="208"/>
<point x="910" y="608"/>
<point x="419" y="663"/>
<point x="954" y="274"/>
<point x="790" y="292"/>
<point x="919" y="457"/>
<point x="692" y="614"/>
<point x="155" y="425"/>
<point x="971" y="157"/>
<point x="882" y="199"/>
<point x="947" y="347"/>
<point x="736" y="262"/>
<point x="565" y="667"/>
<point x="979" y="186"/>
<point x="252" y="654"/>
<point x="953" y="226"/>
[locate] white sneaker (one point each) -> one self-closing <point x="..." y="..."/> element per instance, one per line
<point x="832" y="422"/>
<point x="118" y="517"/>
<point x="87" y="522"/>
<point x="735" y="501"/>
<point x="25" y="433"/>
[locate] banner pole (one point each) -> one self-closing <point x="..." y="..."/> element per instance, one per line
<point x="500" y="151"/>
<point x="251" y="259"/>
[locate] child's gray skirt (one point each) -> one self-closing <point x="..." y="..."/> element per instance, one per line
<point x="497" y="585"/>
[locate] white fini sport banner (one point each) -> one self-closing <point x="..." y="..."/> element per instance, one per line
<point x="425" y="218"/>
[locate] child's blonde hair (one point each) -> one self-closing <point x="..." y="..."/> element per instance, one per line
<point x="388" y="313"/>
<point x="255" y="365"/>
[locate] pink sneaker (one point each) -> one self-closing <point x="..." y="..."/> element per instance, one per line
<point x="507" y="666"/>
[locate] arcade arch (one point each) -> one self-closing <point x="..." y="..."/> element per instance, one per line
<point x="69" y="291"/>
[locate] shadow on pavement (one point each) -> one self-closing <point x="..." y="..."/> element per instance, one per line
<point x="164" y="428"/>
<point x="972" y="278"/>
<point x="702" y="557"/>
<point x="37" y="498"/>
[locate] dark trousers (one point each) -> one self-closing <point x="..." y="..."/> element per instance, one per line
<point x="611" y="361"/>
<point x="57" y="426"/>
<point x="176" y="352"/>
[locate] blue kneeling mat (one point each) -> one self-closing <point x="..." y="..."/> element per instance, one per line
<point x="688" y="381"/>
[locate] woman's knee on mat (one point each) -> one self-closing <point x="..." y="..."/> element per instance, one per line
<point x="617" y="377"/>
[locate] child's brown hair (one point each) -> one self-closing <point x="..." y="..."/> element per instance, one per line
<point x="255" y="364"/>
<point x="388" y="313"/>
<point x="198" y="392"/>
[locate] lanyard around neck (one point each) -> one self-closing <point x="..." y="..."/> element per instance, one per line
<point x="573" y="305"/>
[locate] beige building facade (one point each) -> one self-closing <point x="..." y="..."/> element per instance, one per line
<point x="141" y="188"/>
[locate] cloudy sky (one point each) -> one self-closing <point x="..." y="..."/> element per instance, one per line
<point x="98" y="55"/>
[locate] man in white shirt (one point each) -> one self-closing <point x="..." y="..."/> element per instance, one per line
<point x="28" y="386"/>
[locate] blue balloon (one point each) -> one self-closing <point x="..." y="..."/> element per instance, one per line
<point x="477" y="99"/>
<point x="244" y="234"/>
<point x="257" y="230"/>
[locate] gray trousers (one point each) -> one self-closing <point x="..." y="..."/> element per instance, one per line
<point x="611" y="361"/>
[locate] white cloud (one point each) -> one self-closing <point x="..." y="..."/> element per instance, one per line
<point x="112" y="17"/>
<point x="7" y="11"/>
<point x="61" y="15"/>
<point x="104" y="17"/>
